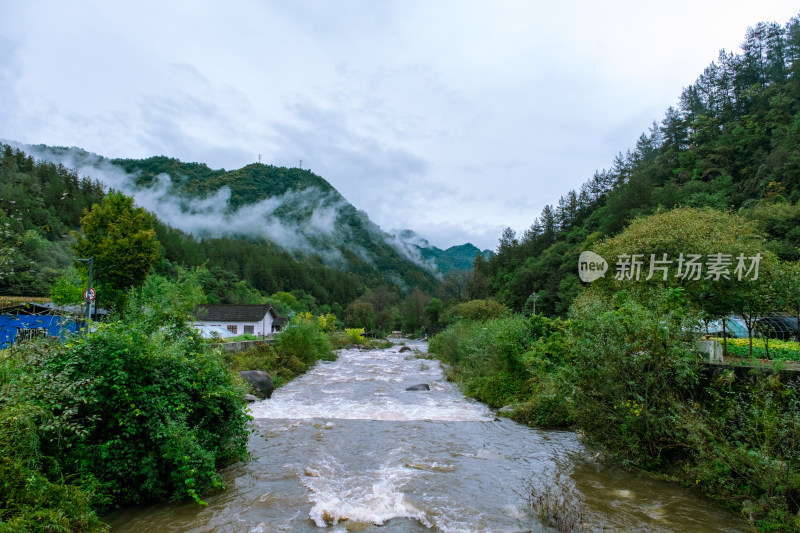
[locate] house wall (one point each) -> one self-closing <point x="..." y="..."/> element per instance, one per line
<point x="262" y="327"/>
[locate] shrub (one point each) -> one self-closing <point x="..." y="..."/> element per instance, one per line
<point x="354" y="335"/>
<point x="744" y="437"/>
<point x="474" y="310"/>
<point x="304" y="341"/>
<point x="487" y="357"/>
<point x="632" y="365"/>
<point x="145" y="415"/>
<point x="29" y="501"/>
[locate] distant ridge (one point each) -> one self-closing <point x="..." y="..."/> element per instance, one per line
<point x="458" y="257"/>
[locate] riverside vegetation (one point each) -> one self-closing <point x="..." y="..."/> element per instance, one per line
<point x="626" y="375"/>
<point x="137" y="411"/>
<point x="622" y="367"/>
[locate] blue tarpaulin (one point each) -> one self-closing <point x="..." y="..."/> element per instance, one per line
<point x="50" y="325"/>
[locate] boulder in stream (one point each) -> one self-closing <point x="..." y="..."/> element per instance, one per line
<point x="260" y="383"/>
<point x="420" y="386"/>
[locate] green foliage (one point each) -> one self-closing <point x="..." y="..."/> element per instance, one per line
<point x="354" y="335"/>
<point x="37" y="262"/>
<point x="412" y="311"/>
<point x="134" y="412"/>
<point x="163" y="301"/>
<point x="631" y="364"/>
<point x="304" y="341"/>
<point x="473" y="310"/>
<point x="144" y="413"/>
<point x="39" y="203"/>
<point x="744" y="439"/>
<point x="487" y="357"/>
<point x="433" y="310"/>
<point x="29" y="501"/>
<point x="123" y="243"/>
<point x="65" y="291"/>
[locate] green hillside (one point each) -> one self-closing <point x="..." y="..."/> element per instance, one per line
<point x="731" y="143"/>
<point x="458" y="257"/>
<point x="341" y="257"/>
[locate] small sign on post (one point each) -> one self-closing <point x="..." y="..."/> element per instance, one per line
<point x="89" y="294"/>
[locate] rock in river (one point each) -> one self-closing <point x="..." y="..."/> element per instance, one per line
<point x="260" y="382"/>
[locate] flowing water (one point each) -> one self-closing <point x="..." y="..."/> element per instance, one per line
<point x="348" y="448"/>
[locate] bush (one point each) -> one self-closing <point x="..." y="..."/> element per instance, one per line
<point x="354" y="335"/>
<point x="487" y="357"/>
<point x="29" y="501"/>
<point x="305" y="341"/>
<point x="744" y="437"/>
<point x="475" y="310"/>
<point x="632" y="367"/>
<point x="131" y="413"/>
<point x="145" y="415"/>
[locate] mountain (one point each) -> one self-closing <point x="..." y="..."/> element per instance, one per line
<point x="458" y="257"/>
<point x="297" y="220"/>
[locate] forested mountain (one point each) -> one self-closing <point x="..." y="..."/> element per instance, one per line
<point x="458" y="257"/>
<point x="731" y="143"/>
<point x="257" y="229"/>
<point x="298" y="211"/>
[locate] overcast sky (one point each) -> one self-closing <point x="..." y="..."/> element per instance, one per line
<point x="452" y="118"/>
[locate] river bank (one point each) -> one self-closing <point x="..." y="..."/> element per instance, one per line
<point x="630" y="380"/>
<point x="346" y="445"/>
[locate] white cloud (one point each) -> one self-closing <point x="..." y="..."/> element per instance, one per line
<point x="449" y="117"/>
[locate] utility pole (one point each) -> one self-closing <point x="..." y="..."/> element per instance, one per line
<point x="89" y="288"/>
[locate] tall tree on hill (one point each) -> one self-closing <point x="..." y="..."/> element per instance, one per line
<point x="123" y="243"/>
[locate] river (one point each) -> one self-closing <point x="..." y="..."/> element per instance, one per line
<point x="348" y="448"/>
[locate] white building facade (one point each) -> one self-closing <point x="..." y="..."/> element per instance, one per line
<point x="238" y="319"/>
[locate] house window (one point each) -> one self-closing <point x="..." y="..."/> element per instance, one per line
<point x="249" y="329"/>
<point x="233" y="329"/>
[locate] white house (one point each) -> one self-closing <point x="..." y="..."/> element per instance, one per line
<point x="238" y="319"/>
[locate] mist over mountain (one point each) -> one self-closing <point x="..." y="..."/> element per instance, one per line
<point x="293" y="208"/>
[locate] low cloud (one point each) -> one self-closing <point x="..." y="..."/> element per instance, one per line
<point x="313" y="226"/>
<point x="212" y="216"/>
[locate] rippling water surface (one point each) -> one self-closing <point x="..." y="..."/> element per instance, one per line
<point x="346" y="447"/>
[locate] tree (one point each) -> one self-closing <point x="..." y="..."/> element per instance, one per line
<point x="123" y="243"/>
<point x="433" y="310"/>
<point x="787" y="285"/>
<point x="413" y="310"/>
<point x="360" y="314"/>
<point x="717" y="260"/>
<point x="7" y="246"/>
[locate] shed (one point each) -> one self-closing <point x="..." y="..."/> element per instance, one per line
<point x="30" y="320"/>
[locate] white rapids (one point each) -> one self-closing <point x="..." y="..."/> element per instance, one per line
<point x="371" y="385"/>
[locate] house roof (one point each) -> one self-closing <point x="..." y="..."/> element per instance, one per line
<point x="234" y="313"/>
